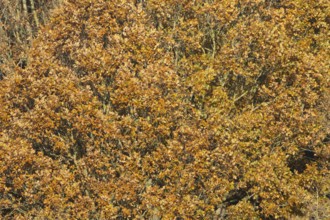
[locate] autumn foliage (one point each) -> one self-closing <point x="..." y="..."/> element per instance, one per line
<point x="19" y="22"/>
<point x="170" y="109"/>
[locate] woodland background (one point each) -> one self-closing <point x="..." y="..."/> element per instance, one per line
<point x="164" y="109"/>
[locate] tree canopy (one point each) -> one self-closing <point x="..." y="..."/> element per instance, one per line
<point x="170" y="110"/>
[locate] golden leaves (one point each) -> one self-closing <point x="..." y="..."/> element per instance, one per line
<point x="168" y="109"/>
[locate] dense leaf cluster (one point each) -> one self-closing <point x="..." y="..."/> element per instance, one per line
<point x="170" y="110"/>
